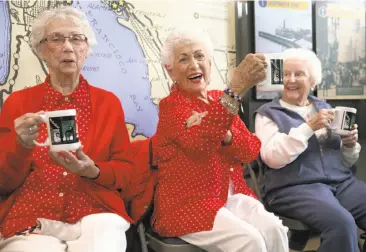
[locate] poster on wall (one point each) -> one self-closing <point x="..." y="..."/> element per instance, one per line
<point x="340" y="41"/>
<point x="280" y="25"/>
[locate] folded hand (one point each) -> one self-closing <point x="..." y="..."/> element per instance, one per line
<point x="195" y="119"/>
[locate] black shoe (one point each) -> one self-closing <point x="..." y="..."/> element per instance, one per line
<point x="298" y="240"/>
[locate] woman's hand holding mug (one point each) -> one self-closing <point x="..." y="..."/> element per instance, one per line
<point x="351" y="138"/>
<point x="26" y="128"/>
<point x="321" y="120"/>
<point x="250" y="72"/>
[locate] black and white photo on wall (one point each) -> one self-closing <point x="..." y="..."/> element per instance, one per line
<point x="340" y="42"/>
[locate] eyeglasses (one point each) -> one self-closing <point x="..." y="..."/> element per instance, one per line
<point x="59" y="39"/>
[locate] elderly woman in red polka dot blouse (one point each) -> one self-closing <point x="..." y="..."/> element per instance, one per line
<point x="201" y="195"/>
<point x="73" y="197"/>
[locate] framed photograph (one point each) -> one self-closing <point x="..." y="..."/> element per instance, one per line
<point x="340" y="42"/>
<point x="280" y="25"/>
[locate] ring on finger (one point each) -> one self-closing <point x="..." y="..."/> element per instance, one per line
<point x="31" y="128"/>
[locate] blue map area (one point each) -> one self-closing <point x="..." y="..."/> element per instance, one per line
<point x="4" y="41"/>
<point x="118" y="64"/>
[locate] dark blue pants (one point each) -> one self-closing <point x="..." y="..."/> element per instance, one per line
<point x="333" y="210"/>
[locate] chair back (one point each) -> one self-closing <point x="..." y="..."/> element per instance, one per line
<point x="256" y="171"/>
<point x="152" y="162"/>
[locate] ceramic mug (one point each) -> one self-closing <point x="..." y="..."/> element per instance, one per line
<point x="344" y="119"/>
<point x="61" y="128"/>
<point x="274" y="73"/>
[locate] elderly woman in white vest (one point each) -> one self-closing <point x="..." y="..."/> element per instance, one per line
<point x="308" y="176"/>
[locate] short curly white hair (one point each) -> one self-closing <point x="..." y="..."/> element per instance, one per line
<point x="184" y="37"/>
<point x="315" y="66"/>
<point x="40" y="23"/>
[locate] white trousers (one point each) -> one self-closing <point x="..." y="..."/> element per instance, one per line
<point x="99" y="233"/>
<point x="242" y="225"/>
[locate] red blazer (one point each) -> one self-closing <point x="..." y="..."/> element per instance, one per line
<point x="107" y="144"/>
<point x="140" y="202"/>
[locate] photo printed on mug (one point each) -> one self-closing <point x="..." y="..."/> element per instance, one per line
<point x="349" y="119"/>
<point x="63" y="130"/>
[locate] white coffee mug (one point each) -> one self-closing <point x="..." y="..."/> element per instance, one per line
<point x="274" y="74"/>
<point x="61" y="128"/>
<point x="344" y="119"/>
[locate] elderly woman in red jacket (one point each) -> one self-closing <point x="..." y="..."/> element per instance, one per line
<point x="76" y="197"/>
<point x="201" y="195"/>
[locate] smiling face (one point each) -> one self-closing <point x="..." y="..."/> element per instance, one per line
<point x="191" y="68"/>
<point x="297" y="82"/>
<point x="65" y="58"/>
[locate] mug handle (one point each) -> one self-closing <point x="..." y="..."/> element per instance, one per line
<point x="47" y="142"/>
<point x="332" y="126"/>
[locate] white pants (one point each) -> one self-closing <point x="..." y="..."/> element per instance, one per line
<point x="242" y="225"/>
<point x="99" y="233"/>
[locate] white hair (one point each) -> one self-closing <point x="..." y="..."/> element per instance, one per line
<point x="315" y="66"/>
<point x="184" y="37"/>
<point x="40" y="23"/>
